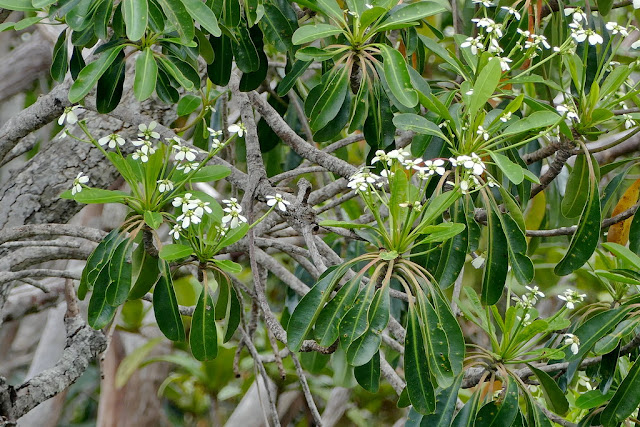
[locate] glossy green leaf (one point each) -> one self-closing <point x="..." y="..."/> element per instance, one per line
<point x="586" y="237"/>
<point x="110" y="86"/>
<point x="366" y="346"/>
<point x="484" y="86"/>
<point x="500" y="415"/>
<point x="512" y="170"/>
<point x="279" y="24"/>
<point x="165" y="307"/>
<point x="595" y="328"/>
<point x="96" y="195"/>
<point x="146" y="75"/>
<point x="178" y="15"/>
<point x="98" y="259"/>
<point x="234" y="235"/>
<point x="309" y="33"/>
<point x="252" y="80"/>
<point x="245" y="50"/>
<point x="89" y="76"/>
<point x="553" y="395"/>
<point x="188" y="104"/>
<point x="418" y="124"/>
<point x="120" y="274"/>
<point x="328" y="7"/>
<point x="397" y="76"/>
<point x="436" y="342"/>
<point x="355" y="322"/>
<point x="368" y="375"/>
<point x="330" y="100"/>
<point x="233" y="316"/>
<point x="174" y="251"/>
<point x="298" y="69"/>
<point x="23" y="5"/>
<point x="625" y="400"/>
<point x="441" y="232"/>
<point x="624" y="253"/>
<point x="145" y="272"/>
<point x="60" y="60"/>
<point x="536" y="120"/>
<point x="203" y="15"/>
<point x="228" y="266"/>
<point x="466" y="416"/>
<point x="99" y="312"/>
<point x="153" y="219"/>
<point x="593" y="398"/>
<point x="219" y="71"/>
<point x="576" y="193"/>
<point x="454" y="251"/>
<point x="135" y="14"/>
<point x="496" y="264"/>
<point x="419" y="387"/>
<point x="203" y="337"/>
<point x="445" y="405"/>
<point x="326" y="328"/>
<point x="172" y="70"/>
<point x="403" y="16"/>
<point x="306" y="312"/>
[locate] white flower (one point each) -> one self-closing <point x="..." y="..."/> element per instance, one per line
<point x="199" y="207"/>
<point x="526" y="321"/>
<point x="188" y="217"/>
<point x="512" y="11"/>
<point x="145" y="146"/>
<point x="175" y="231"/>
<point x="360" y="180"/>
<point x="573" y="341"/>
<point x="636" y="44"/>
<point x="535" y="292"/>
<point x="69" y="115"/>
<point x="214" y="133"/>
<point x="473" y="163"/>
<point x="636" y="4"/>
<point x="417" y="206"/>
<point x="112" y="140"/>
<point x="188" y="167"/>
<point x="572" y="297"/>
<point x="184" y="152"/>
<point x="489" y="25"/>
<point x="233" y="218"/>
<point x="232" y="203"/>
<point x="77" y="183"/>
<point x="505" y="117"/>
<point x="399" y="155"/>
<point x="569" y="111"/>
<point x="239" y="129"/>
<point x="485" y="3"/>
<point x="579" y="34"/>
<point x="216" y="144"/>
<point x="164" y="185"/>
<point x="184" y="200"/>
<point x="475" y="44"/>
<point x="504" y="64"/>
<point x="147" y="132"/>
<point x="577" y="14"/>
<point x="279" y="200"/>
<point x="494" y="47"/>
<point x="628" y="121"/>
<point x="381" y="156"/>
<point x="616" y="28"/>
<point x="434" y="166"/>
<point x="482" y="131"/>
<point x="412" y="163"/>
<point x="140" y="154"/>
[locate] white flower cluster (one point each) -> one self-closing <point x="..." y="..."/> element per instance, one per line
<point x="572" y="297"/>
<point x="569" y="111"/>
<point x="579" y="33"/>
<point x="146" y="147"/>
<point x="78" y="182"/>
<point x="474" y="167"/>
<point x="537" y="41"/>
<point x="192" y="211"/>
<point x="361" y="180"/>
<point x="489" y="40"/>
<point x="572" y="341"/>
<point x="233" y="217"/>
<point x="529" y="299"/>
<point x="69" y="115"/>
<point x="278" y="201"/>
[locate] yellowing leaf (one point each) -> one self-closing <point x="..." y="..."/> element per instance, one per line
<point x="535" y="212"/>
<point x="619" y="232"/>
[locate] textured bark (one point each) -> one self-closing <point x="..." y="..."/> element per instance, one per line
<point x="23" y="65"/>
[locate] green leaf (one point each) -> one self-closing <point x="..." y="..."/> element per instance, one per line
<point x="593" y="398"/>
<point x="404" y="16"/>
<point x="512" y="170"/>
<point x="153" y="219"/>
<point x="178" y="15"/>
<point x="234" y="235"/>
<point x="355" y="322"/>
<point x="188" y="104"/>
<point x="145" y="272"/>
<point x="110" y="85"/>
<point x="625" y="400"/>
<point x="279" y="24"/>
<point x="397" y="76"/>
<point x="298" y="69"/>
<point x="175" y="251"/>
<point x="233" y="316"/>
<point x="172" y="69"/>
<point x="419" y="386"/>
<point x="368" y="375"/>
<point x="496" y="265"/>
<point x="228" y="265"/>
<point x="623" y="253"/>
<point x="536" y="120"/>
<point x="465" y="417"/>
<point x="245" y="50"/>
<point x="595" y="328"/>
<point x="203" y="337"/>
<point x="586" y="237"/>
<point x="120" y="274"/>
<point x="99" y="312"/>
<point x="60" y="61"/>
<point x="418" y="124"/>
<point x="135" y="14"/>
<point x="445" y="405"/>
<point x="575" y="196"/>
<point x="165" y="307"/>
<point x="219" y="71"/>
<point x="146" y="75"/>
<point x="330" y="100"/>
<point x="454" y="251"/>
<point x="552" y="394"/>
<point x="205" y="16"/>
<point x="326" y="329"/>
<point x="23" y="5"/>
<point x="437" y="343"/>
<point x="89" y="76"/>
<point x="500" y="415"/>
<point x="309" y="33"/>
<point x="96" y="195"/>
<point x="328" y="7"/>
<point x="484" y="87"/>
<point x="97" y="261"/>
<point x="306" y="312"/>
<point x="367" y="345"/>
<point x="210" y="173"/>
<point x="441" y="232"/>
